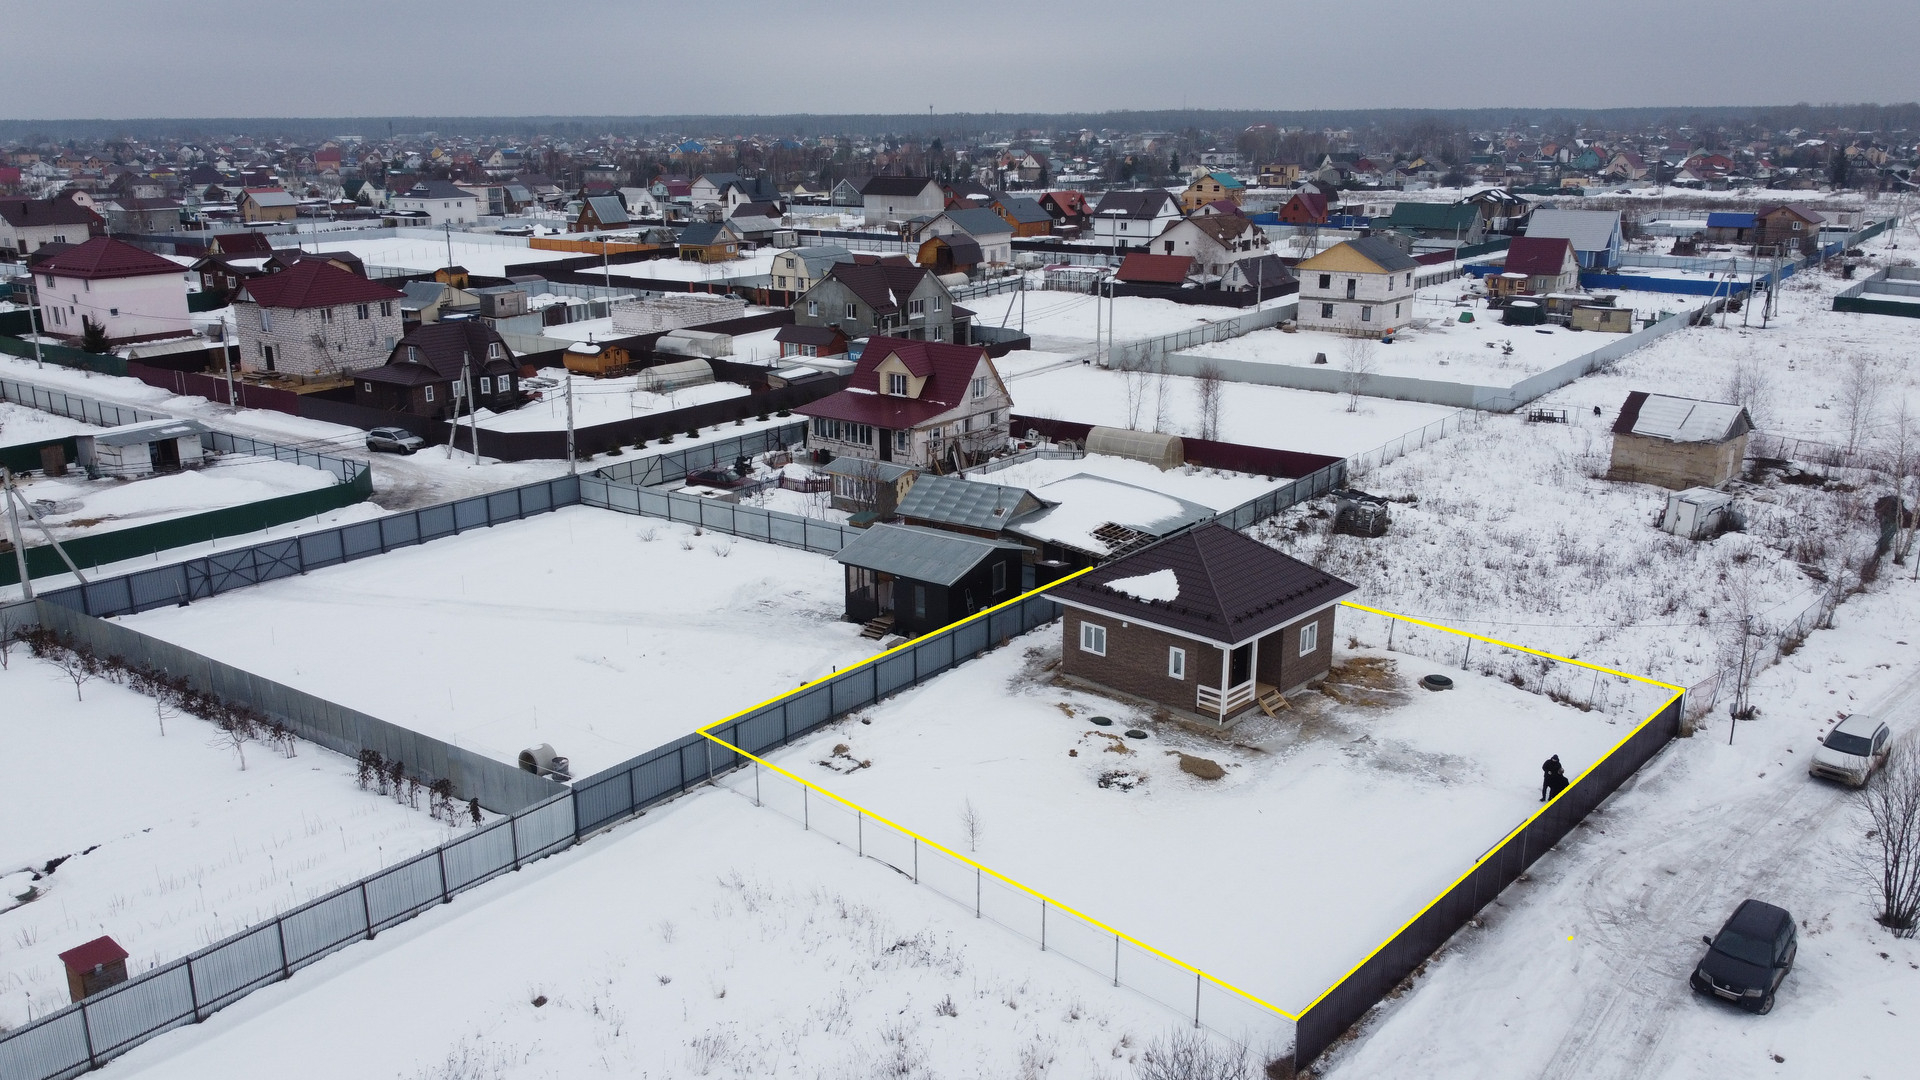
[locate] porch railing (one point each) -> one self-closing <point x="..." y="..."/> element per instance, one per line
<point x="1223" y="705"/>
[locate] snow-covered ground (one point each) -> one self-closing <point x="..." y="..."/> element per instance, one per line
<point x="1330" y="828"/>
<point x="1213" y="488"/>
<point x="603" y="634"/>
<point x="1064" y="321"/>
<point x="1272" y="416"/>
<point x="74" y="505"/>
<point x="758" y="264"/>
<point x="420" y="254"/>
<point x="20" y="424"/>
<point x="709" y="939"/>
<point x="169" y="844"/>
<point x="601" y="401"/>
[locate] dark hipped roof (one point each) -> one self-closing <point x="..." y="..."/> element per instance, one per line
<point x="883" y="286"/>
<point x="1382" y="253"/>
<point x="241" y="244"/>
<point x="708" y="233"/>
<point x="1231" y="588"/>
<point x="898" y="186"/>
<point x="796" y="334"/>
<point x="1433" y="217"/>
<point x="25" y="213"/>
<point x="442" y="348"/>
<point x="934" y="556"/>
<point x="1538" y="255"/>
<point x="979" y="221"/>
<point x="316" y="283"/>
<point x="1138" y="205"/>
<point x="1140" y="267"/>
<point x="1023" y="211"/>
<point x="966" y="250"/>
<point x="105" y="257"/>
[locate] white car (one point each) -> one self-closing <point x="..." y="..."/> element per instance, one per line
<point x="1852" y="750"/>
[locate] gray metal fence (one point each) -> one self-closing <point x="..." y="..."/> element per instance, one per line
<point x="669" y="468"/>
<point x="607" y="797"/>
<point x="73" y="406"/>
<point x="1264" y="506"/>
<point x="87" y="1034"/>
<point x="771" y="526"/>
<point x="210" y="575"/>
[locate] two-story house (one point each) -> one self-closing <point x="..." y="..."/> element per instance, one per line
<point x="987" y="228"/>
<point x="1214" y="241"/>
<point x="897" y="198"/>
<point x="131" y="293"/>
<point x="440" y="201"/>
<point x="1133" y="218"/>
<point x="27" y="225"/>
<point x="315" y="319"/>
<point x="797" y="269"/>
<point x="1362" y="287"/>
<point x="257" y="204"/>
<point x="1212" y="187"/>
<point x="435" y="369"/>
<point x="883" y="297"/>
<point x="919" y="403"/>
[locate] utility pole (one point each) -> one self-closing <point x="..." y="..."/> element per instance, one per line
<point x="33" y="323"/>
<point x="13" y="534"/>
<point x="572" y="457"/>
<point x="447" y="228"/>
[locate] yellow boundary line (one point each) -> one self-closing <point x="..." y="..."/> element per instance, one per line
<point x="1295" y="1017"/>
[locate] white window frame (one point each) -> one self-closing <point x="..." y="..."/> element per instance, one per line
<point x="999" y="578"/>
<point x="486" y="384"/>
<point x="813" y="307"/>
<point x="428" y="396"/>
<point x="1310" y="638"/>
<point x="896" y="383"/>
<point x="1093" y="638"/>
<point x="1176" y="663"/>
<point x="979" y="387"/>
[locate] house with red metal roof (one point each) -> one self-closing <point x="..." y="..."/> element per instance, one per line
<point x="132" y="293"/>
<point x="1142" y="268"/>
<point x="921" y="403"/>
<point x="315" y="319"/>
<point x="1539" y="265"/>
<point x="1305" y="208"/>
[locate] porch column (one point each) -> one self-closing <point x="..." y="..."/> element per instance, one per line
<point x="1226" y="680"/>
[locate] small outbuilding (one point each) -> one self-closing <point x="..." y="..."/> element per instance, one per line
<point x="1160" y="450"/>
<point x="93" y="967"/>
<point x="1208" y="623"/>
<point x="869" y="489"/>
<point x="1678" y="442"/>
<point x="596" y="359"/>
<point x="142" y="449"/>
<point x="908" y="580"/>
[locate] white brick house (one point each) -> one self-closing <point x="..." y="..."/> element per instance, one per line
<point x="314" y="319"/>
<point x="441" y="201"/>
<point x="1361" y="287"/>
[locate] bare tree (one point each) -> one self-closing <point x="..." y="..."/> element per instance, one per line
<point x="1750" y="386"/>
<point x="971" y="825"/>
<point x="1207" y="385"/>
<point x="1358" y="359"/>
<point x="1859" y="397"/>
<point x="1162" y="399"/>
<point x="1133" y="377"/>
<point x="78" y="664"/>
<point x="1189" y="1055"/>
<point x="1890" y="806"/>
<point x="1904" y="465"/>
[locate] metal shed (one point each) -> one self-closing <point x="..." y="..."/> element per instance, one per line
<point x="1152" y="447"/>
<point x="143" y="448"/>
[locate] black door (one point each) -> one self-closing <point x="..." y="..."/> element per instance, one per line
<point x="165" y="455"/>
<point x="1240" y="665"/>
<point x="886" y="445"/>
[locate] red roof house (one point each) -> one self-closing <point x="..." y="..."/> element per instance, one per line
<point x="1305" y="208"/>
<point x="1548" y="265"/>
<point x="1140" y="268"/>
<point x="914" y="403"/>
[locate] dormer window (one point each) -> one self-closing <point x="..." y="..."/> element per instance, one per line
<point x="413" y="355"/>
<point x="896" y="384"/>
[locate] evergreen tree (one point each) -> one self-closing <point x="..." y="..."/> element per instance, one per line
<point x="93" y="336"/>
<point x="1837" y="169"/>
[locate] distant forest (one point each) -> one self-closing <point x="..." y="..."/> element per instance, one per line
<point x="1875" y="118"/>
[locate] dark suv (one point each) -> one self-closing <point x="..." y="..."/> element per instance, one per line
<point x="1747" y="960"/>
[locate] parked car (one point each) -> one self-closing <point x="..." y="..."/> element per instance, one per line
<point x="1746" y="961"/>
<point x="394" y="440"/>
<point x="1852" y="750"/>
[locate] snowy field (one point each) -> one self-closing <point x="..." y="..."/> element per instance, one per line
<point x="754" y="265"/>
<point x="1213" y="488"/>
<point x="74" y="505"/>
<point x="711" y="939"/>
<point x="571" y="628"/>
<point x="1380" y="806"/>
<point x="421" y="254"/>
<point x="20" y="424"/>
<point x="169" y="844"/>
<point x="1271" y="416"/>
<point x="600" y="401"/>
<point x="1064" y="321"/>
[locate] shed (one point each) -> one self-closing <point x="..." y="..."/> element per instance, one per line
<point x="1523" y="313"/>
<point x="140" y="449"/>
<point x="866" y="486"/>
<point x="1678" y="442"/>
<point x="910" y="580"/>
<point x="1697" y="513"/>
<point x="93" y="967"/>
<point x="1161" y="451"/>
<point x="955" y="253"/>
<point x="1607" y="320"/>
<point x="590" y="358"/>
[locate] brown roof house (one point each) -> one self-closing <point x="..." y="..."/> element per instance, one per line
<point x="1678" y="442"/>
<point x="315" y="319"/>
<point x="1208" y="624"/>
<point x="424" y="374"/>
<point x="919" y="403"/>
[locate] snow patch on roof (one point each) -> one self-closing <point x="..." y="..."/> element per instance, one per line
<point x="1162" y="585"/>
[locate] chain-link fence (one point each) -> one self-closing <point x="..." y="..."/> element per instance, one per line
<point x="89" y="1033"/>
<point x="1361" y="464"/>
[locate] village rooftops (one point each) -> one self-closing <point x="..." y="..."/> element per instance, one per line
<point x="1226" y="588"/>
<point x="934" y="556"/>
<point x="104" y="257"/>
<point x="1678" y="419"/>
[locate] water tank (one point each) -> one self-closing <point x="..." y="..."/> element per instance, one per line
<point x="1160" y="451"/>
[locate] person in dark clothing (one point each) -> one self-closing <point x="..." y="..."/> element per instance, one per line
<point x="1553" y="778"/>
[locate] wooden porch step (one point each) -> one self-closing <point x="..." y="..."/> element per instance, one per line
<point x="878" y="628"/>
<point x="1272" y="700"/>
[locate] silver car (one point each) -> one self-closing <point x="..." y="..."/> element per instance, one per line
<point x="1852" y="750"/>
<point x="396" y="440"/>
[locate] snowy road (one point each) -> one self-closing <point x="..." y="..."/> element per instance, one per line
<point x="1581" y="971"/>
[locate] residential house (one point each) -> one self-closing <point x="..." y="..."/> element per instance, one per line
<point x="897" y="198"/>
<point x="1625" y="165"/>
<point x="640" y="201"/>
<point x="796" y="269"/>
<point x="1208" y="623"/>
<point x="599" y="212"/>
<point x="883" y="298"/>
<point x="756" y="222"/>
<point x="1068" y="209"/>
<point x="1305" y="208"/>
<point x="1538" y="265"/>
<point x="1678" y="442"/>
<point x="810" y="342"/>
<point x="258" y="204"/>
<point x="131" y="293"/>
<point x="1030" y="167"/>
<point x="1211" y="187"/>
<point x="1146" y="268"/>
<point x="955" y="253"/>
<point x="1214" y="241"/>
<point x="1501" y="211"/>
<point x="965" y="194"/>
<point x="137" y="215"/>
<point x="1725" y="226"/>
<point x="435" y="369"/>
<point x="1279" y="174"/>
<point x="710" y="242"/>
<point x="1362" y="287"/>
<point x="1788" y="226"/>
<point x="315" y="320"/>
<point x="440" y="202"/>
<point x="1133" y="218"/>
<point x="1437" y="221"/>
<point x="984" y="226"/>
<point x="27" y="225"/>
<point x="923" y="403"/>
<point x="1263" y="275"/>
<point x="1595" y="234"/>
<point x="846" y="193"/>
<point x="1027" y="216"/>
<point x="908" y="580"/>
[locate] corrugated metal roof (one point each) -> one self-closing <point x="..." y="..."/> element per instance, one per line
<point x="920" y="554"/>
<point x="967" y="503"/>
<point x="1723" y="219"/>
<point x="1590" y="230"/>
<point x="146" y="432"/>
<point x="1678" y="419"/>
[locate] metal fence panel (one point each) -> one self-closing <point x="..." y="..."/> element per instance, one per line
<point x="236" y="966"/>
<point x="600" y="800"/>
<point x="546" y="827"/>
<point x="315" y="929"/>
<point x="477" y="856"/>
<point x="53" y="1047"/>
<point x="139" y="1009"/>
<point x="400" y="892"/>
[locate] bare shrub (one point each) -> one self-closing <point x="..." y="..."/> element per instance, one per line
<point x="1189" y="1055"/>
<point x="971" y="825"/>
<point x="1859" y="397"/>
<point x="1358" y="359"/>
<point x="1207" y="385"/>
<point x="1749" y="385"/>
<point x="1890" y="807"/>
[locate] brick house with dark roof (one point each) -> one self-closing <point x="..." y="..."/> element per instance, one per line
<point x="423" y="374"/>
<point x="1305" y="208"/>
<point x="919" y="403"/>
<point x="1068" y="208"/>
<point x="883" y="297"/>
<point x="1208" y="623"/>
<point x="315" y="319"/>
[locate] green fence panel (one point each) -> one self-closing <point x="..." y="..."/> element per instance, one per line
<point x="17" y="322"/>
<point x="25" y="457"/>
<point x="206" y="301"/>
<point x="143" y="540"/>
<point x="66" y="356"/>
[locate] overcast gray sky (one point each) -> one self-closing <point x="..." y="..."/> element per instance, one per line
<point x="188" y="58"/>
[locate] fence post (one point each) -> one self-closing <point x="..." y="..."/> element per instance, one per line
<point x="86" y="1029"/>
<point x="366" y="913"/>
<point x="1043" y="924"/>
<point x="193" y="992"/>
<point x="806" y="818"/>
<point x="860" y="833"/>
<point x="1196" y="999"/>
<point x="280" y="927"/>
<point x="976" y="892"/>
<point x="756" y="783"/>
<point x="446" y="897"/>
<point x="916" y="860"/>
<point x="1116" y="959"/>
<point x="513" y="830"/>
